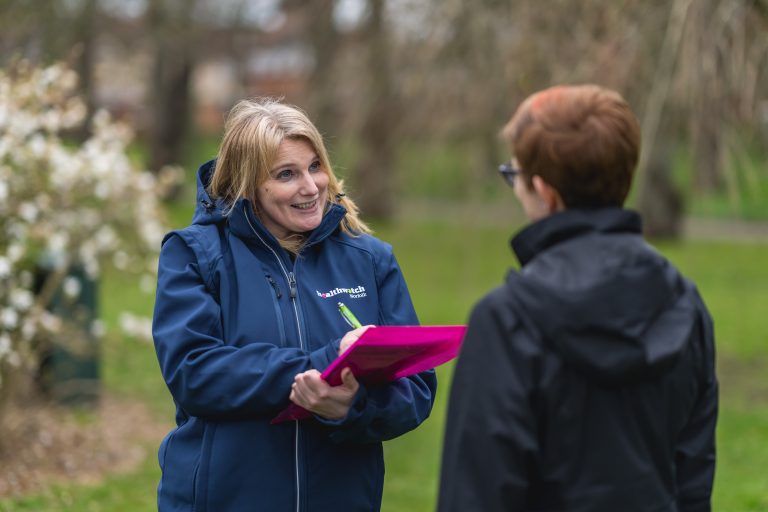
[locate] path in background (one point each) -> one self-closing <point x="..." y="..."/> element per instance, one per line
<point x="732" y="230"/>
<point x="509" y="215"/>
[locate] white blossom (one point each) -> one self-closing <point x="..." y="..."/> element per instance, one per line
<point x="72" y="287"/>
<point x="50" y="322"/>
<point x="5" y="266"/>
<point x="63" y="205"/>
<point x="136" y="326"/>
<point x="147" y="283"/>
<point x="9" y="318"/>
<point x="37" y="145"/>
<point x="92" y="268"/>
<point x="21" y="299"/>
<point x="5" y="345"/>
<point x="28" y="329"/>
<point x="15" y="252"/>
<point x="28" y="211"/>
<point x="120" y="260"/>
<point x="97" y="329"/>
<point x="13" y="359"/>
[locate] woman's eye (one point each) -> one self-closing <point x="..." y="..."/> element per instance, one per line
<point x="314" y="166"/>
<point x="285" y="174"/>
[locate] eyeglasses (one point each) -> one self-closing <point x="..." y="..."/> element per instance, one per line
<point x="508" y="172"/>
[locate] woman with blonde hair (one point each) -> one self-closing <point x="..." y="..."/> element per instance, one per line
<point x="246" y="319"/>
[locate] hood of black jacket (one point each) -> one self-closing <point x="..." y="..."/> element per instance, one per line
<point x="606" y="301"/>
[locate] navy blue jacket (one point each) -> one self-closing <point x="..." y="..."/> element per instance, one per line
<point x="236" y="318"/>
<point x="586" y="383"/>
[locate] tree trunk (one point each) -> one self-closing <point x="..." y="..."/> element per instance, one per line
<point x="374" y="176"/>
<point x="170" y="94"/>
<point x="85" y="41"/>
<point x="707" y="97"/>
<point x="324" y="40"/>
<point x="662" y="206"/>
<point x="658" y="202"/>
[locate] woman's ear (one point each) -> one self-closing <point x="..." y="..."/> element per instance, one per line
<point x="548" y="194"/>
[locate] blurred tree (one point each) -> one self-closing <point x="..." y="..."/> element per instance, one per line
<point x="694" y="71"/>
<point x="85" y="31"/>
<point x="725" y="66"/>
<point x="174" y="44"/>
<point x="374" y="172"/>
<point x="324" y="40"/>
<point x="47" y="31"/>
<point x="706" y="108"/>
<point x="476" y="45"/>
<point x="655" y="189"/>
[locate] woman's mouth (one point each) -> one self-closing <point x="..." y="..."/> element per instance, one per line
<point x="305" y="206"/>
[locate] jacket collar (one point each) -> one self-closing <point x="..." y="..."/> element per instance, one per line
<point x="571" y="223"/>
<point x="244" y="224"/>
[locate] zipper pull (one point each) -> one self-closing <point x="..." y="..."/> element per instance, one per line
<point x="275" y="286"/>
<point x="292" y="284"/>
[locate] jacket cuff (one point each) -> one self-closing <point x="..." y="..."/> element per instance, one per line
<point x="322" y="357"/>
<point x="358" y="416"/>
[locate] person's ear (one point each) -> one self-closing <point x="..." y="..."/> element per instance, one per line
<point x="548" y="194"/>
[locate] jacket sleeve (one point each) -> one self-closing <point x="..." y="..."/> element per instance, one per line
<point x="490" y="429"/>
<point x="382" y="413"/>
<point x="206" y="376"/>
<point x="695" y="450"/>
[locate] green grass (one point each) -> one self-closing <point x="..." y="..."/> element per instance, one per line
<point x="744" y="193"/>
<point x="129" y="365"/>
<point x="449" y="266"/>
<point x="741" y="484"/>
<point x="732" y="278"/>
<point x="133" y="492"/>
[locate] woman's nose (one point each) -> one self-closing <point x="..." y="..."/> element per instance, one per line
<point x="308" y="184"/>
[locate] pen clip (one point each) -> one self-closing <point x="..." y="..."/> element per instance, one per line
<point x="348" y="316"/>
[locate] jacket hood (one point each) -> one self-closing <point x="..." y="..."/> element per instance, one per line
<point x="601" y="296"/>
<point x="207" y="210"/>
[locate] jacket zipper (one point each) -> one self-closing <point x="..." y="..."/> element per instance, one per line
<point x="278" y="312"/>
<point x="275" y="286"/>
<point x="288" y="276"/>
<point x="294" y="293"/>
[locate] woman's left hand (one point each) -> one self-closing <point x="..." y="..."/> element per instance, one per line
<point x="315" y="395"/>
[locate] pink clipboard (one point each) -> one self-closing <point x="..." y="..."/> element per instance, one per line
<point x="387" y="353"/>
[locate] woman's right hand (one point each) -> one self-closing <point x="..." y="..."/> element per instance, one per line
<point x="352" y="337"/>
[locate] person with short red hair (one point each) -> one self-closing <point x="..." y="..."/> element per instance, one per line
<point x="586" y="382"/>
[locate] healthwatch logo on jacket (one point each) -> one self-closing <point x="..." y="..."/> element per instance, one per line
<point x="354" y="293"/>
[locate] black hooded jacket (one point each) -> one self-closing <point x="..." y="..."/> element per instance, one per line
<point x="586" y="382"/>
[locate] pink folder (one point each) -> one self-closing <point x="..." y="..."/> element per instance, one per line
<point x="387" y="353"/>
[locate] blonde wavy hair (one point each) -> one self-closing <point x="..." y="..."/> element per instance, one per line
<point x="253" y="132"/>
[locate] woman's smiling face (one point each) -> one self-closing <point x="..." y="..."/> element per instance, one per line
<point x="293" y="198"/>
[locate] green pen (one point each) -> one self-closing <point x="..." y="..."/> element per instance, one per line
<point x="348" y="317"/>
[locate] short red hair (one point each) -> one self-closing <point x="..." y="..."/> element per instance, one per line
<point x="583" y="140"/>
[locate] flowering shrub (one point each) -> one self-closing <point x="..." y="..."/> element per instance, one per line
<point x="63" y="206"/>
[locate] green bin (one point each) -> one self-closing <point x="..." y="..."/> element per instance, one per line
<point x="69" y="361"/>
